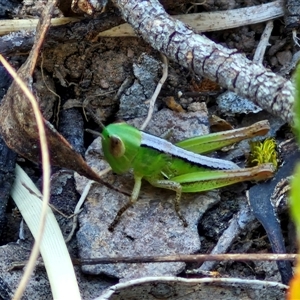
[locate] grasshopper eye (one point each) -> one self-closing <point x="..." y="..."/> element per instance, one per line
<point x="116" y="146"/>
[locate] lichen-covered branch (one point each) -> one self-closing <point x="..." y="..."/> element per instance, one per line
<point x="228" y="68"/>
<point x="292" y="14"/>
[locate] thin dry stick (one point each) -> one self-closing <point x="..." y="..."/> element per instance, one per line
<point x="46" y="178"/>
<point x="77" y="209"/>
<point x="156" y="92"/>
<point x="295" y="38"/>
<point x="263" y="43"/>
<point x="238" y="224"/>
<point x="193" y="6"/>
<point x="187" y="258"/>
<point x="286" y="69"/>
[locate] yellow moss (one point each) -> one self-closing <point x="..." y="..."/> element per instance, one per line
<point x="263" y="152"/>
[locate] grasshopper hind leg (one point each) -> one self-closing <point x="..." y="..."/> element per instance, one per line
<point x="176" y="187"/>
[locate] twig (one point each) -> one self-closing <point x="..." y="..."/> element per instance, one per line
<point x="292" y="14"/>
<point x="295" y="38"/>
<point x="156" y="92"/>
<point x="237" y="225"/>
<point x="263" y="43"/>
<point x="77" y="209"/>
<point x="187" y="258"/>
<point x="286" y="69"/>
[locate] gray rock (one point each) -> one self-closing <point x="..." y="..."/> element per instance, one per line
<point x="132" y="102"/>
<point x="230" y="103"/>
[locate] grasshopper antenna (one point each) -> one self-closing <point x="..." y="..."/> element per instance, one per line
<point x="96" y="119"/>
<point x="93" y="132"/>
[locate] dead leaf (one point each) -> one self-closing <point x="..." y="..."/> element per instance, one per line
<point x="218" y="124"/>
<point x="172" y="104"/>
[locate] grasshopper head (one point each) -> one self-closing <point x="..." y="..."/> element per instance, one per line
<point x="120" y="144"/>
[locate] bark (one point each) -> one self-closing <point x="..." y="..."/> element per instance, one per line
<point x="292" y="14"/>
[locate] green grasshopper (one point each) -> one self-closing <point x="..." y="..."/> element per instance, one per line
<point x="180" y="167"/>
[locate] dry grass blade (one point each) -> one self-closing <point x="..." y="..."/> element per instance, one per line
<point x="212" y="21"/>
<point x="53" y="249"/>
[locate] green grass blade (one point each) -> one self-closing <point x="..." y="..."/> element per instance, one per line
<point x="297" y="105"/>
<point x="295" y="199"/>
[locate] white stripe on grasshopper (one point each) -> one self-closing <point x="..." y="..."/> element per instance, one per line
<point x="162" y="145"/>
